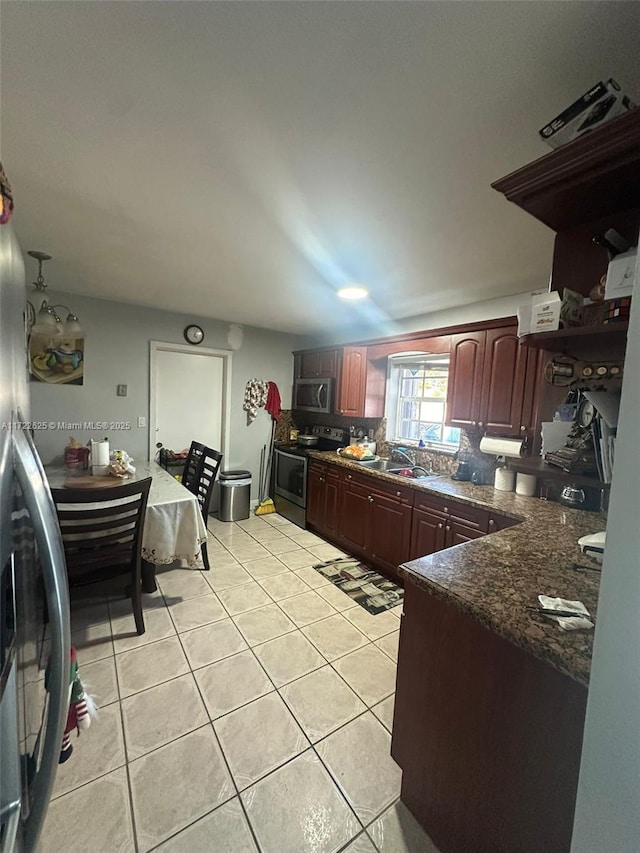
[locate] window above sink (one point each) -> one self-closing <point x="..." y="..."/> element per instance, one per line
<point x="416" y="401"/>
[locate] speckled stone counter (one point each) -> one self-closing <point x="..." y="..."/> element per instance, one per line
<point x="495" y="577"/>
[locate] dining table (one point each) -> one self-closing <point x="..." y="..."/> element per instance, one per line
<point x="174" y="530"/>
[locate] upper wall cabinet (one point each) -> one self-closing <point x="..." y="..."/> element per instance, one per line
<point x="491" y="382"/>
<point x="350" y="394"/>
<point x="314" y="364"/>
<point x="360" y="382"/>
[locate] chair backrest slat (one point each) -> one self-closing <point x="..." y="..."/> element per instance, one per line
<point x="200" y="472"/>
<point x="102" y="530"/>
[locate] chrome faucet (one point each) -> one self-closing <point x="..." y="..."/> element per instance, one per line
<point x="404" y="457"/>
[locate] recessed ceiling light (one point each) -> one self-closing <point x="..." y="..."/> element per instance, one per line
<point x="353" y="292"/>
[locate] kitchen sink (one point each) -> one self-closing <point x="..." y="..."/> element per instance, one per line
<point x="407" y="472"/>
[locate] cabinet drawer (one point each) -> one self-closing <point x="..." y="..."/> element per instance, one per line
<point x="401" y="494"/>
<point x="318" y="467"/>
<point x="477" y="519"/>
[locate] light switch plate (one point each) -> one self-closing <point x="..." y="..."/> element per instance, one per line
<point x="121" y="390"/>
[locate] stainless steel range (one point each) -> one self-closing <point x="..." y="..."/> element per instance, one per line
<point x="290" y="463"/>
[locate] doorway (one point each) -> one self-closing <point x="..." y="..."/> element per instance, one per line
<point x="190" y="397"/>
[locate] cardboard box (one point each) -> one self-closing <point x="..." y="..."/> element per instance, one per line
<point x="545" y="312"/>
<point x="525" y="312"/>
<point x="602" y="102"/>
<point x="620" y="275"/>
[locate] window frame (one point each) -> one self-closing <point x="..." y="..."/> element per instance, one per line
<point x="422" y="361"/>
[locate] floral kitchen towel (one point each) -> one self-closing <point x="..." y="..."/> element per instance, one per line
<point x="255" y="397"/>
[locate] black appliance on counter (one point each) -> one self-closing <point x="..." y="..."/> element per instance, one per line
<point x="290" y="465"/>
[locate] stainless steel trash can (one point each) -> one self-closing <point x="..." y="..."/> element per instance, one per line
<point x="235" y="495"/>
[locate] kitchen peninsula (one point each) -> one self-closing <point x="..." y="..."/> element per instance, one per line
<point x="490" y="698"/>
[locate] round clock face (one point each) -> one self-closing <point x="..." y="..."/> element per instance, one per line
<point x="193" y="334"/>
<point x="586" y="413"/>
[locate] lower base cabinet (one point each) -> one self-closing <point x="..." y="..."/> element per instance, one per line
<point x="387" y="524"/>
<point x="488" y="737"/>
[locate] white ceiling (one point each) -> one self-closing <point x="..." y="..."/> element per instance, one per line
<point x="242" y="160"/>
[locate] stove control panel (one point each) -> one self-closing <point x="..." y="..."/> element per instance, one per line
<point x="331" y="433"/>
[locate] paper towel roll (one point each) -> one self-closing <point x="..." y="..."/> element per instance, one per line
<point x="526" y="485"/>
<point x="99" y="456"/>
<point x="504" y="480"/>
<point x="502" y="446"/>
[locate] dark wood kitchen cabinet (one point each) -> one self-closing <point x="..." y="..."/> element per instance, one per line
<point x="488" y="737"/>
<point x="465" y="379"/>
<point x="390" y="528"/>
<point x="351" y="391"/>
<point x="439" y="523"/>
<point x="353" y="529"/>
<point x="492" y="381"/>
<point x="314" y="364"/>
<point x="375" y="522"/>
<point x="323" y="498"/>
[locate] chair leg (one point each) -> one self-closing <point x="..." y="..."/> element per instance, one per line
<point x="205" y="557"/>
<point x="136" y="600"/>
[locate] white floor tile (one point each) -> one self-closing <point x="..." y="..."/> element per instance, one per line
<point x="258" y="738"/>
<point x="224" y="830"/>
<point x="298" y="809"/>
<point x="359" y="758"/>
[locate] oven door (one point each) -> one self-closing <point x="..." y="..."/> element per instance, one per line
<point x="291" y="477"/>
<point x="313" y="395"/>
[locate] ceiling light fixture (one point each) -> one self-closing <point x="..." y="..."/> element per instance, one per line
<point x="354" y="291"/>
<point x="46" y="321"/>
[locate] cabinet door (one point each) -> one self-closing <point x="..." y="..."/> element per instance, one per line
<point x="351" y="391"/>
<point x="316" y="495"/>
<point x="390" y="533"/>
<point x="427" y="533"/>
<point x="465" y="379"/>
<point x="503" y="381"/>
<point x="456" y="533"/>
<point x="333" y="491"/>
<point x="354" y="514"/>
<point x="318" y="363"/>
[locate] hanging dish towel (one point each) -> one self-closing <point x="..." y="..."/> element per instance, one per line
<point x="273" y="404"/>
<point x="255" y="397"/>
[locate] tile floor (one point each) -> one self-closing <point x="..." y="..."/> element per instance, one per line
<point x="253" y="715"/>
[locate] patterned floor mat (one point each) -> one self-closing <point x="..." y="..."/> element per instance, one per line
<point x="367" y="588"/>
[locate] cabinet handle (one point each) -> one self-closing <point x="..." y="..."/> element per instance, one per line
<point x="448" y="528"/>
<point x="523" y="429"/>
<point x="440" y="526"/>
<point x="398" y="493"/>
<point x="480" y="423"/>
<point x="446" y="509"/>
<point x="473" y="423"/>
<point x="491" y="522"/>
<point x="348" y="476"/>
<point x="370" y="499"/>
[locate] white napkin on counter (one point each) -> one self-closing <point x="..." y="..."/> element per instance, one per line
<point x="567" y="623"/>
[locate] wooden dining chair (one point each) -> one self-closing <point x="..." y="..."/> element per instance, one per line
<point x="102" y="535"/>
<point x="199" y="475"/>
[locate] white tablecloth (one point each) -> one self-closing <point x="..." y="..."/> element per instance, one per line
<point x="173" y="524"/>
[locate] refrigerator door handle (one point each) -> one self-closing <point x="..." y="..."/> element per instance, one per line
<point x="38" y="500"/>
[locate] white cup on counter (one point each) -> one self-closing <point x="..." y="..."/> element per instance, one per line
<point x="526" y="484"/>
<point x="504" y="480"/>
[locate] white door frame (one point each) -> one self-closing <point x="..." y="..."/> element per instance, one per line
<point x="161" y="346"/>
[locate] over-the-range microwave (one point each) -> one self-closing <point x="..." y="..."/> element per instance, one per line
<point x="313" y="395"/>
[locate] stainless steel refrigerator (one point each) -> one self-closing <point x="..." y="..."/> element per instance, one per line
<point x="33" y="588"/>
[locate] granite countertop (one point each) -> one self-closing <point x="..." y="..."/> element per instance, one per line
<point x="495" y="577"/>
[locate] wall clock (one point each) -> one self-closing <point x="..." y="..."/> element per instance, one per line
<point x="193" y="334"/>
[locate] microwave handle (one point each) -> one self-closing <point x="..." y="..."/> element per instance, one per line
<point x="322" y="398"/>
<point x="38" y="500"/>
